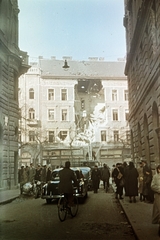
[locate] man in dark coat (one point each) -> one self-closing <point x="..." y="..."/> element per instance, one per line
<point x="38" y="173"/>
<point x="66" y="176"/>
<point x="95" y="176"/>
<point x="117" y="179"/>
<point x="105" y="176"/>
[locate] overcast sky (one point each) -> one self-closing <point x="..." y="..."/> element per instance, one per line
<point x="77" y="28"/>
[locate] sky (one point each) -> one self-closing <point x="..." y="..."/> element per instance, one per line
<point x="76" y="28"/>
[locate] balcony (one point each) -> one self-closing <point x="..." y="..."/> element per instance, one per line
<point x="33" y="123"/>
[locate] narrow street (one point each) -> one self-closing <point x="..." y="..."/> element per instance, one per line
<point x="99" y="217"/>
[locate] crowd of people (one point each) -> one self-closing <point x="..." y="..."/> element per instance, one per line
<point x="139" y="182"/>
<point x="133" y="182"/>
<point x="30" y="174"/>
<point x="136" y="183"/>
<point x="130" y="181"/>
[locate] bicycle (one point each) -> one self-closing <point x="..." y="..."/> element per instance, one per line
<point x="64" y="209"/>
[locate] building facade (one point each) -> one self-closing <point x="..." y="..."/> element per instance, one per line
<point x="76" y="112"/>
<point x="142" y="23"/>
<point x="13" y="63"/>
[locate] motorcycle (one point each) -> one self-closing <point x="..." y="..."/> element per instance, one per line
<point x="28" y="188"/>
<point x="38" y="188"/>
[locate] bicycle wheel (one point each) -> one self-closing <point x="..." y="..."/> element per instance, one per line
<point x="74" y="208"/>
<point x="62" y="209"/>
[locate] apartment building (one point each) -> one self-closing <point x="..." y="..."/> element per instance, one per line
<point x="69" y="109"/>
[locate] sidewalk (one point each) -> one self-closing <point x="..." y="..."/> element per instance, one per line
<point x="7" y="196"/>
<point x="139" y="214"/>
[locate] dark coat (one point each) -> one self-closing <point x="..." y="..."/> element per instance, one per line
<point x="95" y="176"/>
<point x="131" y="182"/>
<point x="49" y="173"/>
<point x="66" y="176"/>
<point x="115" y="174"/>
<point x="105" y="174"/>
<point x="38" y="174"/>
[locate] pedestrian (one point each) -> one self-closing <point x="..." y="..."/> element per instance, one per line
<point x="95" y="177"/>
<point x="113" y="167"/>
<point x="105" y="175"/>
<point x="38" y="173"/>
<point x="155" y="186"/>
<point x="125" y="167"/>
<point x="49" y="172"/>
<point x="131" y="182"/>
<point x="27" y="172"/>
<point x="118" y="175"/>
<point x="147" y="178"/>
<point x="140" y="181"/>
<point x="44" y="174"/>
<point x="32" y="172"/>
<point x="22" y="178"/>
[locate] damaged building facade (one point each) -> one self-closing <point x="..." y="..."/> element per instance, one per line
<point x="75" y="110"/>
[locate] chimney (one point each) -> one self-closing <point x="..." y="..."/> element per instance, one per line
<point x="93" y="58"/>
<point x="67" y="58"/>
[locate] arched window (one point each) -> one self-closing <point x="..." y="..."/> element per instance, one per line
<point x="139" y="140"/>
<point x="146" y="139"/>
<point x="156" y="133"/>
<point x="31" y="93"/>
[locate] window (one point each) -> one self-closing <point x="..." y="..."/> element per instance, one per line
<point x="64" y="114"/>
<point x="51" y="137"/>
<point x="114" y="95"/>
<point x="31" y="113"/>
<point x="82" y="104"/>
<point x="31" y="93"/>
<point x="19" y="136"/>
<point x="126" y="95"/>
<point x="115" y="114"/>
<point x="50" y="94"/>
<point x="15" y="86"/>
<point x="63" y="94"/>
<point x="116" y="136"/>
<point x="31" y="136"/>
<point x="128" y="136"/>
<point x="62" y="135"/>
<point x="51" y="114"/>
<point x="126" y="115"/>
<point x="103" y="136"/>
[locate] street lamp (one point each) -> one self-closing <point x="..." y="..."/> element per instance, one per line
<point x="65" y="66"/>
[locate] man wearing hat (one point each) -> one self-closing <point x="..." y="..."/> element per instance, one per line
<point x="66" y="176"/>
<point x="22" y="177"/>
<point x="32" y="173"/>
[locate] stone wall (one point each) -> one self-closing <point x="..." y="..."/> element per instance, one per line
<point x="143" y="71"/>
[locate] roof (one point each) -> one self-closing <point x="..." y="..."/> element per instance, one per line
<point x="82" y="69"/>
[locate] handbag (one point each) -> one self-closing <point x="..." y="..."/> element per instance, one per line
<point x="119" y="176"/>
<point x="121" y="183"/>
